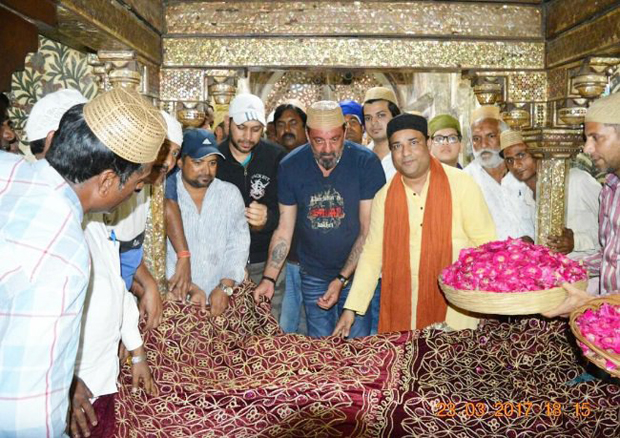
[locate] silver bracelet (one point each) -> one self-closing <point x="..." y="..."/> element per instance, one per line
<point x="138" y="359"/>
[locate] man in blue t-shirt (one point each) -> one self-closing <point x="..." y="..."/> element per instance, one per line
<point x="325" y="191"/>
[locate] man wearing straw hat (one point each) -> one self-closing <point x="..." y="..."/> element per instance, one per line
<point x="580" y="239"/>
<point x="602" y="131"/>
<point x="129" y="220"/>
<point x="129" y="225"/>
<point x="325" y="191"/>
<point x="98" y="156"/>
<point x="380" y="106"/>
<point x="420" y="221"/>
<point x="510" y="214"/>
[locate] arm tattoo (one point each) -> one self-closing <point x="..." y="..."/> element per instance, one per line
<point x="278" y="254"/>
<point x="354" y="255"/>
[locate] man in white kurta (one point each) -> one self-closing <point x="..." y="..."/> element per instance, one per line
<point x="511" y="216"/>
<point x="580" y="239"/>
<point x="110" y="316"/>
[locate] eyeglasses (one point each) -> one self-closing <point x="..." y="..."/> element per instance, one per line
<point x="451" y="139"/>
<point x="517" y="158"/>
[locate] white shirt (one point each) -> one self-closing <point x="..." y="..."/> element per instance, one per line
<point x="512" y="217"/>
<point x="218" y="236"/>
<point x="582" y="206"/>
<point x="386" y="163"/>
<point x="129" y="218"/>
<point x="110" y="313"/>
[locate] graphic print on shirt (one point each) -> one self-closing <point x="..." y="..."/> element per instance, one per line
<point x="326" y="210"/>
<point x="258" y="185"/>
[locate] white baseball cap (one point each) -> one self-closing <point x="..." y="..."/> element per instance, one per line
<point x="246" y="107"/>
<point x="174" y="133"/>
<point x="46" y="113"/>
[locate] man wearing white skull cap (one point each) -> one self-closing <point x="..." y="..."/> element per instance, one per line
<point x="45" y="116"/>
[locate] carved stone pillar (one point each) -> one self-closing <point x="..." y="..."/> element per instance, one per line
<point x="557" y="143"/>
<point x="122" y="69"/>
<point x="553" y="147"/>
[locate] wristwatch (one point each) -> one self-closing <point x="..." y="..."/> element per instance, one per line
<point x="344" y="280"/>
<point x="227" y="289"/>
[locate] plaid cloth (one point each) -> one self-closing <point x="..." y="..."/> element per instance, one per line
<point x="605" y="261"/>
<point x="44" y="274"/>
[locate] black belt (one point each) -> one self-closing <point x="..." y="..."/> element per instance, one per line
<point x="134" y="243"/>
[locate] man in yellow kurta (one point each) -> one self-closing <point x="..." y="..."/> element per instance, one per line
<point x="438" y="210"/>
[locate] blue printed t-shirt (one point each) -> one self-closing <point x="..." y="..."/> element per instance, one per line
<point x="328" y="207"/>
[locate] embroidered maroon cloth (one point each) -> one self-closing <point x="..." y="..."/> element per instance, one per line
<point x="238" y="376"/>
<point x="106" y="421"/>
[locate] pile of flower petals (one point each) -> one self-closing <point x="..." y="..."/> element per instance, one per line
<point x="602" y="328"/>
<point x="511" y="265"/>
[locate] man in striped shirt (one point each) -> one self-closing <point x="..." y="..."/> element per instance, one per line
<point x="91" y="166"/>
<point x="602" y="130"/>
<point x="213" y="217"/>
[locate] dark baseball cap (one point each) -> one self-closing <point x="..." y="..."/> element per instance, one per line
<point x="199" y="143"/>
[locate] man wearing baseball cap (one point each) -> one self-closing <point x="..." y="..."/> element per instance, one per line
<point x="99" y="154"/>
<point x="325" y="190"/>
<point x="214" y="223"/>
<point x="420" y="221"/>
<point x="251" y="164"/>
<point x="354" y="117"/>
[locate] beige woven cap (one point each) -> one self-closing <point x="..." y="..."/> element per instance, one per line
<point x="605" y="110"/>
<point x="380" y="93"/>
<point x="485" y="112"/>
<point x="325" y="114"/>
<point x="510" y="138"/>
<point x="127" y="124"/>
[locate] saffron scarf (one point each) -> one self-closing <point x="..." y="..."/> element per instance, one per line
<point x="435" y="254"/>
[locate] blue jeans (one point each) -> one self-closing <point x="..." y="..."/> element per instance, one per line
<point x="322" y="322"/>
<point x="293" y="317"/>
<point x="374" y="309"/>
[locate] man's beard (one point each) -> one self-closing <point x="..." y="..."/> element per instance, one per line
<point x="236" y="145"/>
<point x="491" y="159"/>
<point x="196" y="183"/>
<point x="327" y="161"/>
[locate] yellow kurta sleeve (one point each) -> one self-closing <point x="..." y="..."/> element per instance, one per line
<point x="370" y="262"/>
<point x="476" y="227"/>
<point x="477" y="220"/>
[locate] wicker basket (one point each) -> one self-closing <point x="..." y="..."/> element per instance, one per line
<point x="513" y="303"/>
<point x="599" y="356"/>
